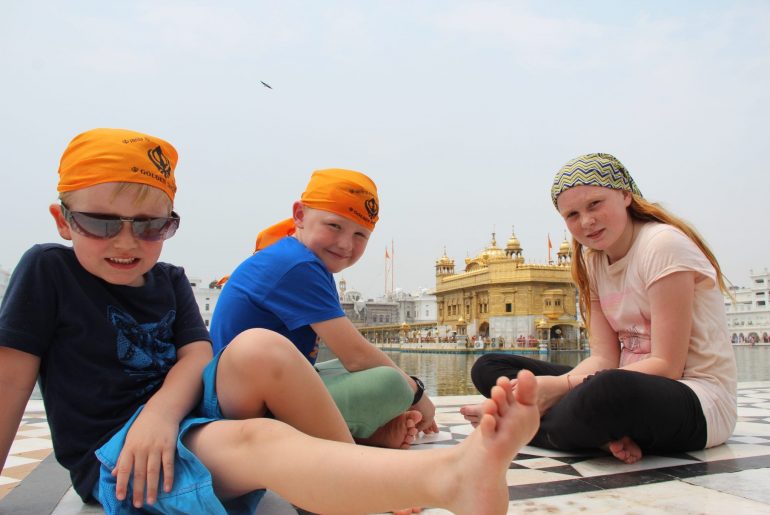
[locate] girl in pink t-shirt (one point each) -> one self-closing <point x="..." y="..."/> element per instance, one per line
<point x="661" y="376"/>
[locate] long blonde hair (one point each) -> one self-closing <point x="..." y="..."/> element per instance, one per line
<point x="644" y="211"/>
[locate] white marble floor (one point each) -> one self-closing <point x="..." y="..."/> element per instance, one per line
<point x="731" y="478"/>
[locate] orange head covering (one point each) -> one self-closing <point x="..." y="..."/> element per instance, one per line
<point x="343" y="192"/>
<point x="117" y="155"/>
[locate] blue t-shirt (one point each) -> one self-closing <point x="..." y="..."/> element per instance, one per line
<point x="105" y="349"/>
<point x="285" y="288"/>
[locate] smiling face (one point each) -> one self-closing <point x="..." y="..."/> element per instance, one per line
<point x="598" y="218"/>
<point x="337" y="241"/>
<point x="123" y="259"/>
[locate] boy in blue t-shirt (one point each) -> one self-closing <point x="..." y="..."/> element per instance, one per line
<point x="287" y="286"/>
<point x="119" y="347"/>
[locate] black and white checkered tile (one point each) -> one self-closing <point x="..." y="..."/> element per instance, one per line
<point x="537" y="473"/>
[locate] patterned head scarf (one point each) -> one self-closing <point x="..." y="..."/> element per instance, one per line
<point x="117" y="155"/>
<point x="593" y="170"/>
<point x="347" y="193"/>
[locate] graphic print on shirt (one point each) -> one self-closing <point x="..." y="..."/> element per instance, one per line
<point x="146" y="350"/>
<point x="635" y="345"/>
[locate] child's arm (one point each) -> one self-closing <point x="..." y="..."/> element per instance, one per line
<point x="151" y="442"/>
<point x="671" y="305"/>
<point x="671" y="309"/>
<point x="356" y="353"/>
<point x="18" y="373"/>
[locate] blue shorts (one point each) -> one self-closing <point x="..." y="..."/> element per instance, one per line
<point x="193" y="490"/>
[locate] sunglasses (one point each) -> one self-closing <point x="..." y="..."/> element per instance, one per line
<point x="103" y="227"/>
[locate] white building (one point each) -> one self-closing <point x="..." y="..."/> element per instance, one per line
<point x="397" y="307"/>
<point x="206" y="297"/>
<point x="748" y="318"/>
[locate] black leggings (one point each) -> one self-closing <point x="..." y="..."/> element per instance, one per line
<point x="659" y="414"/>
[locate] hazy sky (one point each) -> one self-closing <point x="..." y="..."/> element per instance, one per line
<point x="460" y="111"/>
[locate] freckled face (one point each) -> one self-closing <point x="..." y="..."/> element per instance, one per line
<point x="337" y="241"/>
<point x="598" y="218"/>
<point x="123" y="259"/>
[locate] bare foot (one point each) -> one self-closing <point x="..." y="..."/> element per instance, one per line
<point x="399" y="433"/>
<point x="509" y="420"/>
<point x="473" y="413"/>
<point x="625" y="450"/>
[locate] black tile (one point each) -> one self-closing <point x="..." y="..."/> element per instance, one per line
<point x="570" y="486"/>
<point x="626" y="479"/>
<point x="564" y="469"/>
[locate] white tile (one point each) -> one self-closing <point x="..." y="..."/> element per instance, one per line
<point x="751" y="429"/>
<point x="763" y="405"/>
<point x="659" y="498"/>
<point x="533" y="476"/>
<point x="610" y="465"/>
<point x="15" y="461"/>
<point x="753" y="411"/>
<point x="34" y="406"/>
<point x="463" y="430"/>
<point x="34" y="433"/>
<point x="759" y="395"/>
<point x="750" y="484"/>
<point x="5" y="480"/>
<point x="731" y="451"/>
<point x="457" y="400"/>
<point x="456" y="418"/>
<point x="750" y="439"/>
<point x="441" y="436"/>
<point x="30" y="444"/>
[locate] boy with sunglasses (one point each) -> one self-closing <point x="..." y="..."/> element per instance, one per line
<point x="120" y="349"/>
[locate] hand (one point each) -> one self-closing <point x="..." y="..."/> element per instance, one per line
<point x="150" y="445"/>
<point x="428" y="410"/>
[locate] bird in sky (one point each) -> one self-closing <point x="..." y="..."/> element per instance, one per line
<point x="265" y="84"/>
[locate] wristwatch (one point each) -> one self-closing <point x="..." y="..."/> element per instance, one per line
<point x="420" y="389"/>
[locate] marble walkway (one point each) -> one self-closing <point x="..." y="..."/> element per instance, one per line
<point x="731" y="478"/>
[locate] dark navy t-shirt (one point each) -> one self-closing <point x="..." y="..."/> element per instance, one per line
<point x="284" y="288"/>
<point x="104" y="349"/>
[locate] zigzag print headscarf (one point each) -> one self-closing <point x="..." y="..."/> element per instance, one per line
<point x="593" y="170"/>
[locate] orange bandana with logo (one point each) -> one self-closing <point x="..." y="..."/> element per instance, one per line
<point x="343" y="192"/>
<point x="117" y="155"/>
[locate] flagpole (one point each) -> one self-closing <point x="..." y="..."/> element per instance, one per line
<point x="549" y="249"/>
<point x="392" y="264"/>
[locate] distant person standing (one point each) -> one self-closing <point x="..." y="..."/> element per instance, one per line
<point x="661" y="376"/>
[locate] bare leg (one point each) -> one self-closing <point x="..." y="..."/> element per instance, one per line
<point x="261" y="370"/>
<point x="399" y="433"/>
<point x="626" y="450"/>
<point x="243" y="455"/>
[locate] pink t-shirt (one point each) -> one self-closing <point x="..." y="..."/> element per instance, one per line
<point x="657" y="251"/>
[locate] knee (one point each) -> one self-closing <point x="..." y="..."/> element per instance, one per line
<point x="392" y="384"/>
<point x="262" y="348"/>
<point x="611" y="389"/>
<point x="484" y="373"/>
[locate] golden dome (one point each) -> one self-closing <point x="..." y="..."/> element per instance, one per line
<point x="564" y="248"/>
<point x="491" y="252"/>
<point x="445" y="260"/>
<point x="513" y="242"/>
